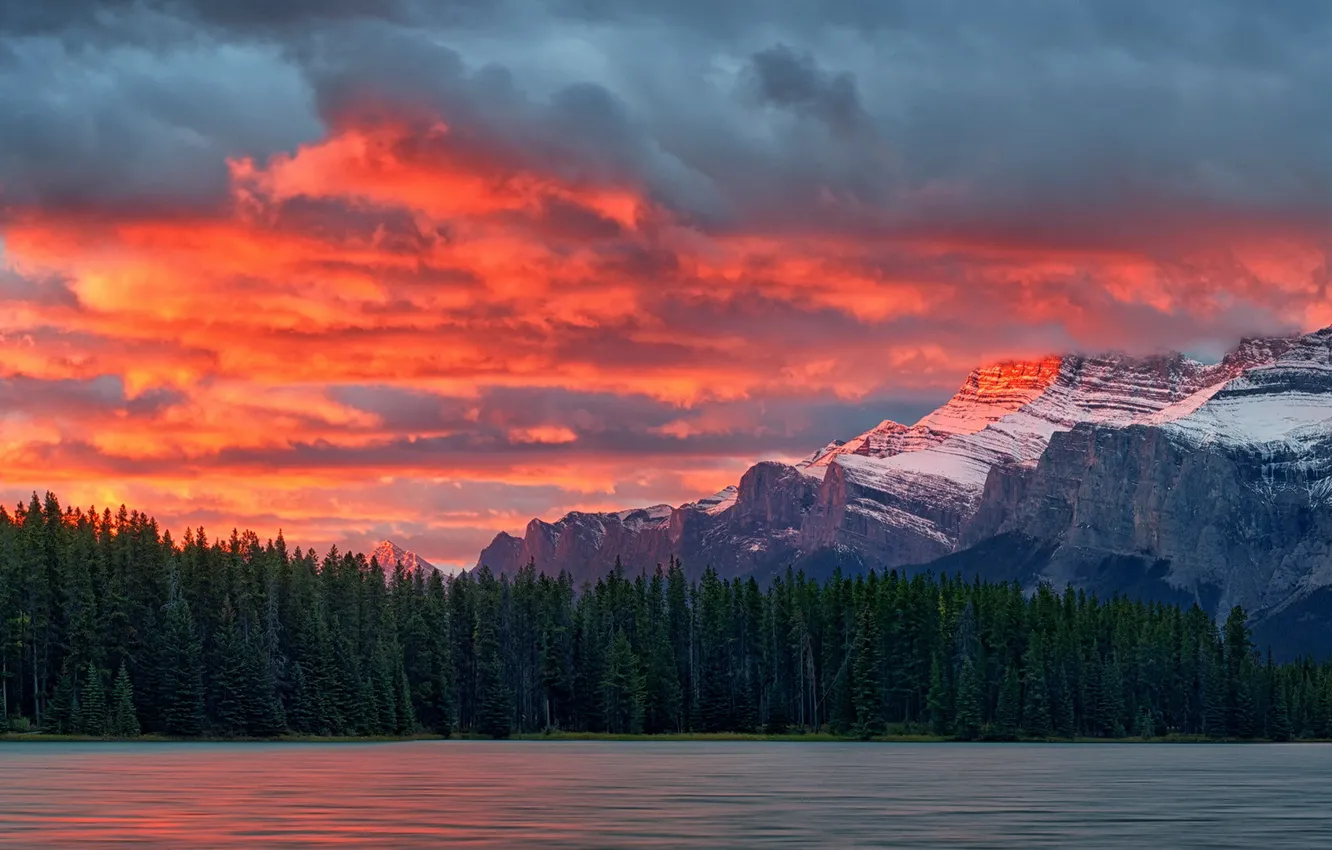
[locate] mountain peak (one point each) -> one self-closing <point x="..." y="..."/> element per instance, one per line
<point x="901" y="494"/>
<point x="992" y="391"/>
<point x="388" y="554"/>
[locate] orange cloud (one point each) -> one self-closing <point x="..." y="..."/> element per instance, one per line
<point x="390" y="256"/>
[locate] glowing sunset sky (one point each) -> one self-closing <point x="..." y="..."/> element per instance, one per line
<point x="367" y="268"/>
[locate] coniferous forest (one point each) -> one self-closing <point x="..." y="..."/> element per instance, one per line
<point x="110" y="627"/>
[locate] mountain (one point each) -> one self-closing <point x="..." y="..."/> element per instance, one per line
<point x="389" y="554"/>
<point x="1224" y="500"/>
<point x="1188" y="481"/>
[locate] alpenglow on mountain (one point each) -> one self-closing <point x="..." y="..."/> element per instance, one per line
<point x="1160" y="476"/>
<point x="388" y="554"/>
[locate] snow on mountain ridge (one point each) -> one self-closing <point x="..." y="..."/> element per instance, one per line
<point x="388" y="554"/>
<point x="900" y="494"/>
<point x="717" y="502"/>
<point x="1008" y="411"/>
<point x="934" y="482"/>
<point x="1286" y="400"/>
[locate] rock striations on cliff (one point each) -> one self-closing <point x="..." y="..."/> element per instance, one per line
<point x="1178" y="479"/>
<point x="1223" y="499"/>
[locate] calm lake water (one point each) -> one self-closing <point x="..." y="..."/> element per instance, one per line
<point x="573" y="794"/>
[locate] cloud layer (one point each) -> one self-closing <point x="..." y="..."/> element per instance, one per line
<point x="424" y="270"/>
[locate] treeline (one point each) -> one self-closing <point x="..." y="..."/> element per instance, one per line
<point x="110" y="627"/>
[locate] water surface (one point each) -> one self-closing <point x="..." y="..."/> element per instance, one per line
<point x="665" y="794"/>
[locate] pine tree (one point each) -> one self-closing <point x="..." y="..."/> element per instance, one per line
<point x="1008" y="713"/>
<point x="867" y="678"/>
<point x="939" y="703"/>
<point x="779" y="719"/>
<point x="495" y="718"/>
<point x="1238" y="667"/>
<point x="1244" y="714"/>
<point x="232" y="688"/>
<point x="1146" y="724"/>
<point x="623" y="690"/>
<point x="64" y="705"/>
<point x="968" y="719"/>
<point x="266" y="717"/>
<point x="1280" y="729"/>
<point x="1215" y="709"/>
<point x="182" y="673"/>
<point x="90" y="716"/>
<point x="385" y="686"/>
<point x="1111" y="707"/>
<point x="305" y="714"/>
<point x="1065" y="717"/>
<point x="124" y="721"/>
<point x="1036" y="721"/>
<point x="405" y="718"/>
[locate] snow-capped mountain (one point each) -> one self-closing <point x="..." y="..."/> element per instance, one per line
<point x="389" y="554"/>
<point x="1223" y="499"/>
<point x="1011" y="453"/>
<point x="900" y="495"/>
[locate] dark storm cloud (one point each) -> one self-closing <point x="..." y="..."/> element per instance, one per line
<point x="974" y="107"/>
<point x="136" y="124"/>
<point x="88" y="16"/>
<point x="794" y="81"/>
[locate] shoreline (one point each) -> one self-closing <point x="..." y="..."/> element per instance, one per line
<point x="606" y="737"/>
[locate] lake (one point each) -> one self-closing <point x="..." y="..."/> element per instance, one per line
<point x="666" y="794"/>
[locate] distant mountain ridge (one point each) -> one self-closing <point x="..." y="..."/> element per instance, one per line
<point x="388" y="554"/>
<point x="1160" y="459"/>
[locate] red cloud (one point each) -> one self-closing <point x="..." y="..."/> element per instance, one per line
<point x="396" y="254"/>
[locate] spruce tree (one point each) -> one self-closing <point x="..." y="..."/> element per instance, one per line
<point x="623" y="690"/>
<point x="968" y="718"/>
<point x="1215" y="708"/>
<point x="231" y="685"/>
<point x="1065" y="717"/>
<point x="124" y="721"/>
<point x="90" y="716"/>
<point x="1111" y="708"/>
<point x="778" y="720"/>
<point x="305" y="715"/>
<point x="64" y="705"/>
<point x="1238" y="669"/>
<point x="1280" y="727"/>
<point x="266" y="717"/>
<point x="1036" y="720"/>
<point x="384" y="685"/>
<point x="1145" y="725"/>
<point x="1244" y="712"/>
<point x="1008" y="714"/>
<point x="405" y="718"/>
<point x="495" y="717"/>
<point x="867" y="678"/>
<point x="1321" y="707"/>
<point x="182" y="673"/>
<point x="939" y="702"/>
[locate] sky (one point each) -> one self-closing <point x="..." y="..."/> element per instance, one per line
<point x="356" y="269"/>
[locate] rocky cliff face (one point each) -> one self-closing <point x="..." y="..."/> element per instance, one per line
<point x="742" y="530"/>
<point x="1232" y="502"/>
<point x="1159" y="475"/>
